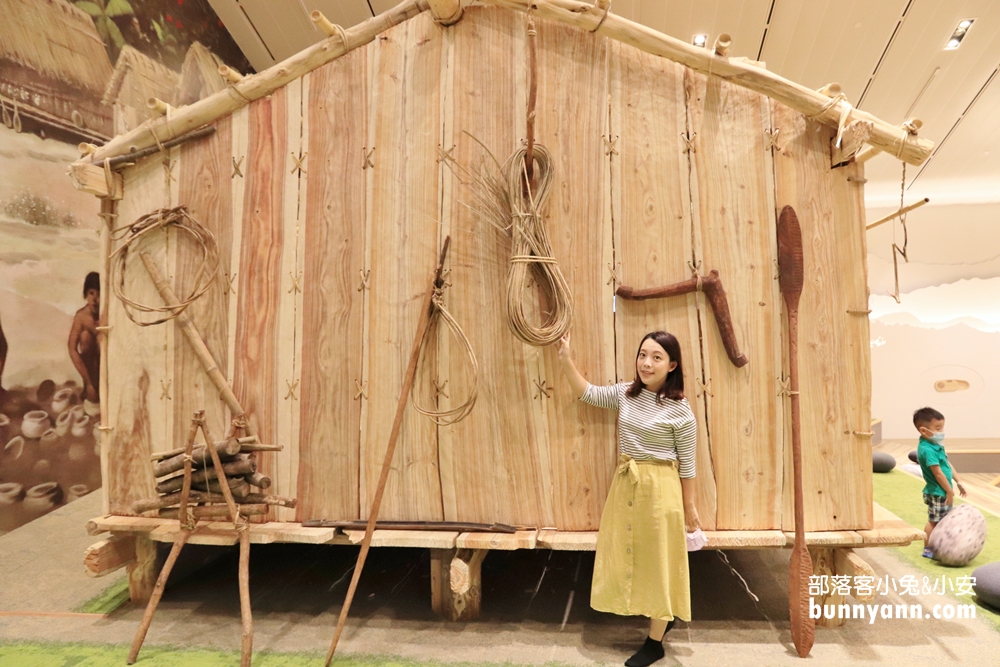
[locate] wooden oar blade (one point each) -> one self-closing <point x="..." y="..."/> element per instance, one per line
<point x="803" y="627"/>
<point x="790" y="263"/>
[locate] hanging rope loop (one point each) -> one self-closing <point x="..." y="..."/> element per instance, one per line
<point x="129" y="237"/>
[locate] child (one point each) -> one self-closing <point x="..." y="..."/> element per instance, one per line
<point x="83" y="346"/>
<point x="936" y="469"/>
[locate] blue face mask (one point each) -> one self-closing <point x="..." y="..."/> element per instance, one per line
<point x="937" y="438"/>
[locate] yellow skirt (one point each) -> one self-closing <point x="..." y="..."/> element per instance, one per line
<point x="641" y="567"/>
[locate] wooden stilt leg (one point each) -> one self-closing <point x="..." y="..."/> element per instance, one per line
<point x="154" y="600"/>
<point x="456" y="583"/>
<point x="824" y="565"/>
<point x="245" y="613"/>
<point x="142" y="571"/>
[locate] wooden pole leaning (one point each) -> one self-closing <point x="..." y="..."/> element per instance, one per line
<point x="900" y="212"/>
<point x="187" y="527"/>
<point x="197" y="342"/>
<point x="411" y="370"/>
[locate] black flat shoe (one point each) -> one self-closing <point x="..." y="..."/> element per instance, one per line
<point x="650" y="652"/>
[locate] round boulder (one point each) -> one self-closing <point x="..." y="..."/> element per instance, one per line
<point x="913" y="456"/>
<point x="959" y="537"/>
<point x="882" y="462"/>
<point x="987" y="586"/>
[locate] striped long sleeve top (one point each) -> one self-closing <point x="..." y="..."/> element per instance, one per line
<point x="649" y="431"/>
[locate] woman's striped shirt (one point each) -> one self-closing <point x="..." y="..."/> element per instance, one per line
<point x="649" y="431"/>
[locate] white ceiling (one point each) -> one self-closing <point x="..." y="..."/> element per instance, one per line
<point x="888" y="56"/>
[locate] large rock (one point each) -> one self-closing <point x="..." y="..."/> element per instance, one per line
<point x="913" y="456"/>
<point x="987" y="586"/>
<point x="959" y="537"/>
<point x="882" y="462"/>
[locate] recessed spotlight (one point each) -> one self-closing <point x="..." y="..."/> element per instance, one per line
<point x="700" y="40"/>
<point x="961" y="30"/>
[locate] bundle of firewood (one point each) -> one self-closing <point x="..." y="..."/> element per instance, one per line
<point x="206" y="500"/>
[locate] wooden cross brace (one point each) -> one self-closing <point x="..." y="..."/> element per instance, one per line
<point x="711" y="285"/>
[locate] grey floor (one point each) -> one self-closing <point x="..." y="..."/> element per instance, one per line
<point x="535" y="607"/>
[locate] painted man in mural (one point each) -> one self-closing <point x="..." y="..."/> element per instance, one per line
<point x="83" y="347"/>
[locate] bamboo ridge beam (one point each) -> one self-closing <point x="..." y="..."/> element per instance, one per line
<point x="249" y="88"/>
<point x="890" y="138"/>
<point x="585" y="15"/>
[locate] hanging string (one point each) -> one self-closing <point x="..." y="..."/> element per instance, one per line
<point x="896" y="250"/>
<point x="130" y="237"/>
<point x="456" y="414"/>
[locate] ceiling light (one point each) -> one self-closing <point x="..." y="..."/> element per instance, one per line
<point x="700" y="40"/>
<point x="961" y="30"/>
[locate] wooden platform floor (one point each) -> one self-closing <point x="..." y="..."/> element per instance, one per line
<point x="981" y="492"/>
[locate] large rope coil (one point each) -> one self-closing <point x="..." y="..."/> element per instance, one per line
<point x="129" y="237"/>
<point x="504" y="199"/>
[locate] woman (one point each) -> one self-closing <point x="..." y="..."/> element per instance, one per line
<point x="641" y="567"/>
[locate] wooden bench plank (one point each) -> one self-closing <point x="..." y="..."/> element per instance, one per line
<point x="522" y="539"/>
<point x="562" y="540"/>
<point x="428" y="539"/>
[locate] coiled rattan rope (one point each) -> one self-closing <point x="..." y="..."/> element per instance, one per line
<point x="130" y="236"/>
<point x="456" y="414"/>
<point x="516" y="210"/>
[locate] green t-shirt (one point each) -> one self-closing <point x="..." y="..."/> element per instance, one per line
<point x="930" y="454"/>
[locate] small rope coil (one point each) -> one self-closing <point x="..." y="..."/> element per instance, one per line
<point x="130" y="236"/>
<point x="456" y="414"/>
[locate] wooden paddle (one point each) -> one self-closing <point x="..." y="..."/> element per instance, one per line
<point x="790" y="279"/>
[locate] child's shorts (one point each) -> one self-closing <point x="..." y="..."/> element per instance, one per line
<point x="936" y="509"/>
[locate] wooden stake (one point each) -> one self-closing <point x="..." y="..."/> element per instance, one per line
<point x="324" y="23"/>
<point x="154" y="600"/>
<point x="159" y="106"/>
<point x="722" y="44"/>
<point x="229" y="74"/>
<point x="411" y="369"/>
<point x="246" y="648"/>
<point x="902" y="211"/>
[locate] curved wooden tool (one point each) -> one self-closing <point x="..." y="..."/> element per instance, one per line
<point x="790" y="279"/>
<point x="711" y="285"/>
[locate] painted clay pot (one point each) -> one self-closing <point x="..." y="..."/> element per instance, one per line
<point x="77" y="491"/>
<point x="35" y="424"/>
<point x="77" y="411"/>
<point x="10" y="493"/>
<point x="49" y="438"/>
<point x="43" y="497"/>
<point x="62" y="400"/>
<point x="80" y="425"/>
<point x="90" y="408"/>
<point x="4" y="426"/>
<point x="14" y="447"/>
<point x="63" y="422"/>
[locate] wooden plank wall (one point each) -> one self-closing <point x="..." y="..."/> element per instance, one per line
<point x="204" y="176"/>
<point x="260" y="281"/>
<point x="404" y="243"/>
<point x="137" y="358"/>
<point x="330" y="410"/>
<point x="652" y="225"/>
<point x="324" y="269"/>
<point x="735" y="235"/>
<point x="834" y="361"/>
<point x="572" y="121"/>
<point x="492" y="462"/>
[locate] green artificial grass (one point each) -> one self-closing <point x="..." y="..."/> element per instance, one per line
<point x="902" y="494"/>
<point x="39" y="654"/>
<point x="107" y="600"/>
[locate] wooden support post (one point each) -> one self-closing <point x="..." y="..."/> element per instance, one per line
<point x="456" y="583"/>
<point x="142" y="571"/>
<point x="846" y="561"/>
<point x="108" y="555"/>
